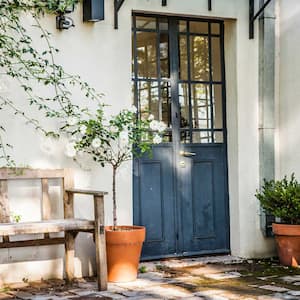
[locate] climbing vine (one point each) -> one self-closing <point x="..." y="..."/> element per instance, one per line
<point x="32" y="68"/>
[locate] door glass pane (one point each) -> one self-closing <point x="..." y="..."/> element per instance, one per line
<point x="199" y="27"/>
<point x="202" y="137"/>
<point x="185" y="137"/>
<point x="148" y="99"/>
<point x="164" y="55"/>
<point x="199" y="58"/>
<point x="218" y="109"/>
<point x="145" y="23"/>
<point x="218" y="137"/>
<point x="182" y="26"/>
<point x="201" y="106"/>
<point x="184" y="105"/>
<point x="163" y="24"/>
<point x="146" y="54"/>
<point x="166" y="110"/>
<point x="215" y="28"/>
<point x="166" y="103"/>
<point x="183" y="57"/>
<point x="216" y="59"/>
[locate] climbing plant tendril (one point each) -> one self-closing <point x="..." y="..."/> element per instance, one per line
<point x="30" y="68"/>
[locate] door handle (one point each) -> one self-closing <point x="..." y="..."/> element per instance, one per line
<point x="187" y="154"/>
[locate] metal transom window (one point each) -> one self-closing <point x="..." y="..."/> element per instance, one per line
<point x="178" y="76"/>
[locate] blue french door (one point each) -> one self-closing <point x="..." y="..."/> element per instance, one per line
<point x="180" y="191"/>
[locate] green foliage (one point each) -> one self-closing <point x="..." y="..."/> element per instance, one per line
<point x="143" y="269"/>
<point x="282" y="199"/>
<point x="32" y="69"/>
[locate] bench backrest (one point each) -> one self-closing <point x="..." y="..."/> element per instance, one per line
<point x="6" y="174"/>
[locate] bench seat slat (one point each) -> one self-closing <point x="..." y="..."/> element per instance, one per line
<point x="48" y="226"/>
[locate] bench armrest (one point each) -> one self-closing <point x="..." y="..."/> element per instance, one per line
<point x="86" y="192"/>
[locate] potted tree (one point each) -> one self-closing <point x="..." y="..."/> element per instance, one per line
<point x="282" y="199"/>
<point x="113" y="141"/>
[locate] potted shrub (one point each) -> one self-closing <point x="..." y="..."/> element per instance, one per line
<point x="282" y="199"/>
<point x="114" y="140"/>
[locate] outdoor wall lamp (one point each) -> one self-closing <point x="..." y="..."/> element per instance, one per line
<point x="93" y="10"/>
<point x="63" y="22"/>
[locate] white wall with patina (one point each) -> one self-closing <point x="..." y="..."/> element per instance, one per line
<point x="289" y="88"/>
<point x="102" y="56"/>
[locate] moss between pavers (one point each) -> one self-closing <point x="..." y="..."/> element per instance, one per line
<point x="244" y="286"/>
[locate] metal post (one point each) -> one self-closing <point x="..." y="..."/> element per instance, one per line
<point x="209" y="5"/>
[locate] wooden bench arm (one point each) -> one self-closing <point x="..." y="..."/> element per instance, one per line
<point x="86" y="192"/>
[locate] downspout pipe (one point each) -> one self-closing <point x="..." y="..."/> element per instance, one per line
<point x="267" y="103"/>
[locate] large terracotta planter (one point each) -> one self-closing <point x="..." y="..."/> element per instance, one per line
<point x="123" y="248"/>
<point x="288" y="243"/>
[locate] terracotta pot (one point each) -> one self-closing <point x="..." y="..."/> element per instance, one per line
<point x="288" y="243"/>
<point x="123" y="248"/>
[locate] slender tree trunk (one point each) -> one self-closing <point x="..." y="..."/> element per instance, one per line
<point x="114" y="197"/>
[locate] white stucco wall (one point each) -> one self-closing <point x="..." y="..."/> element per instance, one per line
<point x="102" y="56"/>
<point x="289" y="88"/>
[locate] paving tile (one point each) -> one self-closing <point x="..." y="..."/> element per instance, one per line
<point x="223" y="276"/>
<point x="111" y="295"/>
<point x="5" y="296"/>
<point x="285" y="296"/>
<point x="274" y="288"/>
<point x="21" y="295"/>
<point x="267" y="277"/>
<point x="168" y="293"/>
<point x="293" y="293"/>
<point x="81" y="292"/>
<point x="290" y="279"/>
<point x="268" y="297"/>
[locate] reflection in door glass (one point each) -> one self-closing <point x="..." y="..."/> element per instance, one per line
<point x="217" y="104"/>
<point x="183" y="57"/>
<point x="146" y="54"/>
<point x="201" y="106"/>
<point x="184" y="105"/>
<point x="202" y="137"/>
<point x="148" y="99"/>
<point x="199" y="27"/>
<point x="216" y="59"/>
<point x="199" y="58"/>
<point x="164" y="55"/>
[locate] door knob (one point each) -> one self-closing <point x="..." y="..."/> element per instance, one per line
<point x="185" y="153"/>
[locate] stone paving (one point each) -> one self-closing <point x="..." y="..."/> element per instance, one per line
<point x="206" y="278"/>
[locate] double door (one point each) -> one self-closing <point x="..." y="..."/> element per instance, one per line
<point x="180" y="191"/>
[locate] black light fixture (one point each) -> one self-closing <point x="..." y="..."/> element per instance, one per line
<point x="63" y="22"/>
<point x="93" y="10"/>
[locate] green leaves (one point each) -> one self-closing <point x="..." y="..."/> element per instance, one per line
<point x="282" y="199"/>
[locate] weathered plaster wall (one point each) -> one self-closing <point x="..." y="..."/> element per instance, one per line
<point x="289" y="88"/>
<point x="102" y="56"/>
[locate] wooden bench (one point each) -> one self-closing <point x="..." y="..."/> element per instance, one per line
<point x="69" y="225"/>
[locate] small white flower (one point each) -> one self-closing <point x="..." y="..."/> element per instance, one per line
<point x="157" y="139"/>
<point x="96" y="143"/>
<point x="162" y="126"/>
<point x="124" y="137"/>
<point x="70" y="150"/>
<point x="114" y="129"/>
<point x="83" y="129"/>
<point x="151" y="117"/>
<point x="72" y="120"/>
<point x="154" y="125"/>
<point x="133" y="109"/>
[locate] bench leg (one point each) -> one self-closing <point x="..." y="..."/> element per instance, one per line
<point x="70" y="254"/>
<point x="101" y="264"/>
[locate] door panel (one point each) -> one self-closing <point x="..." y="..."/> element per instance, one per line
<point x="154" y="201"/>
<point x="204" y="200"/>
